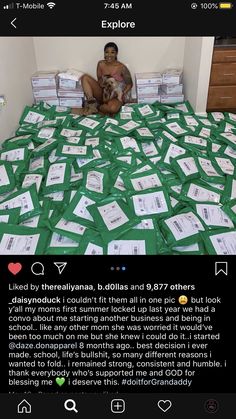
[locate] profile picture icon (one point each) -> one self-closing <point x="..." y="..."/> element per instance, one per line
<point x="211" y="406"/>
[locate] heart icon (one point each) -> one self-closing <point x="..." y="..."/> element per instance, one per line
<point x="60" y="381"/>
<point x="164" y="405"/>
<point x="14" y="268"/>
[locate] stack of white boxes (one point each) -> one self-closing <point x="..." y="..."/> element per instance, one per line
<point x="44" y="84"/>
<point x="172" y="86"/>
<point x="148" y="87"/>
<point x="70" y="93"/>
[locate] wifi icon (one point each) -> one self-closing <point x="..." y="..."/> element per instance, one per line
<point x="51" y="5"/>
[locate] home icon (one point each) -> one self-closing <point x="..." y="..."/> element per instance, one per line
<point x="24" y="407"/>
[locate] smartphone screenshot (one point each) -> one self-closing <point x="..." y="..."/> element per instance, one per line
<point x="117" y="209"/>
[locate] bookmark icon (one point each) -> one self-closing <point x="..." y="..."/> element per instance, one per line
<point x="60" y="266"/>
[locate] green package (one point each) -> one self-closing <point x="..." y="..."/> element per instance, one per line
<point x="58" y="177"/>
<point x="26" y="200"/>
<point x="38" y="165"/>
<point x="213" y="215"/>
<point x="54" y="123"/>
<point x="125" y="159"/>
<point x="99" y="157"/>
<point x="74" y="151"/>
<point x="173" y="115"/>
<point x="33" y="116"/>
<point x="77" y="209"/>
<point x="16" y="155"/>
<point x="208" y="170"/>
<point x="231" y="117"/>
<point x="10" y="216"/>
<point x="123" y="129"/>
<point x="27" y="129"/>
<point x="151" y="202"/>
<point x="229" y="151"/>
<point x="174" y="187"/>
<point x="97" y="182"/>
<point x="7" y="178"/>
<point x="91" y="244"/>
<point x="118" y="187"/>
<point x="45" y="148"/>
<point x="215" y="117"/>
<point x="176" y="128"/>
<point x="18" y="141"/>
<point x="182" y="229"/>
<point x="67" y="132"/>
<point x="225" y="164"/>
<point x="93" y="141"/>
<point x="19" y="240"/>
<point x="143" y="134"/>
<point x="112" y="218"/>
<point x="228" y="138"/>
<point x="89" y="124"/>
<point x="169" y="152"/>
<point x="185" y="108"/>
<point x="61" y="245"/>
<point x="141" y="181"/>
<point x="230" y="209"/>
<point x="45" y="133"/>
<point x="31" y="178"/>
<point x="191" y="120"/>
<point x="229" y="190"/>
<point x="185" y="167"/>
<point x="134" y="242"/>
<point x="214" y="147"/>
<point x="192" y="249"/>
<point x="124" y="143"/>
<point x="145" y="111"/>
<point x="71" y="229"/>
<point x="197" y="191"/>
<point x="192" y="142"/>
<point x="150" y="149"/>
<point x="220" y="242"/>
<point x="225" y="126"/>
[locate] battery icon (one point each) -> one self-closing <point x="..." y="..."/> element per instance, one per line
<point x="225" y="5"/>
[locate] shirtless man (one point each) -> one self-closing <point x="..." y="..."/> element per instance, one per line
<point x="93" y="89"/>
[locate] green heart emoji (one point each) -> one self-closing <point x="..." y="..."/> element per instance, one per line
<point x="60" y="381"/>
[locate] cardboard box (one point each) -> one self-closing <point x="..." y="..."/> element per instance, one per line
<point x="45" y="92"/>
<point x="148" y="96"/>
<point x="148" y="78"/>
<point x="172" y="98"/>
<point x="172" y="76"/>
<point x="71" y="102"/>
<point x="149" y="100"/>
<point x="44" y="79"/>
<point x="70" y="93"/>
<point x="67" y="84"/>
<point x="147" y="88"/>
<point x="168" y="89"/>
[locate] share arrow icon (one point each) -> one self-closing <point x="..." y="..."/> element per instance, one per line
<point x="60" y="266"/>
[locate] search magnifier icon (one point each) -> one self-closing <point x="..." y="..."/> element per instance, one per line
<point x="37" y="268"/>
<point x="70" y="405"/>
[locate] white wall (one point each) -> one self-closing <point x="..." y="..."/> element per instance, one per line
<point x="140" y="54"/>
<point x="197" y="67"/>
<point x="17" y="65"/>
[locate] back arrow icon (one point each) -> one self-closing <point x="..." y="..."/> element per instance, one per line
<point x="12" y="22"/>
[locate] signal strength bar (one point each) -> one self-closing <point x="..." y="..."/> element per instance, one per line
<point x="9" y="6"/>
